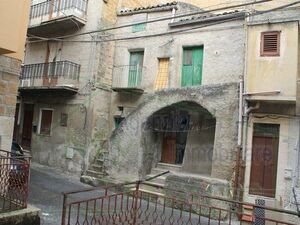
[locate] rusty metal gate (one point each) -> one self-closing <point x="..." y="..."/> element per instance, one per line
<point x="14" y="179"/>
<point x="128" y="204"/>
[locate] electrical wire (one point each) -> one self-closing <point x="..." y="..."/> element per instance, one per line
<point x="161" y="19"/>
<point x="183" y="30"/>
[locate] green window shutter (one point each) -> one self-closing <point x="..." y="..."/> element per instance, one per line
<point x="135" y="69"/>
<point x="197" y="65"/>
<point x="192" y="66"/>
<point x="138" y="27"/>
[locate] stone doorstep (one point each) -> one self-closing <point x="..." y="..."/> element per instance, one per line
<point x="30" y="215"/>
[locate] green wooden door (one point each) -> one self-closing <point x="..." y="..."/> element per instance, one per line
<point x="135" y="69"/>
<point x="192" y="66"/>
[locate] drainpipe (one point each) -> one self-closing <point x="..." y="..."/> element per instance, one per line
<point x="247" y="111"/>
<point x="240" y="125"/>
<point x="236" y="193"/>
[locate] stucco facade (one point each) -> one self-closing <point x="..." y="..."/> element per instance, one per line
<point x="271" y="96"/>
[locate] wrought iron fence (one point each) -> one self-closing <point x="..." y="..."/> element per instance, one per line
<point x="65" y="69"/>
<point x="55" y="6"/>
<point x="128" y="76"/>
<point x="127" y="204"/>
<point x="14" y="179"/>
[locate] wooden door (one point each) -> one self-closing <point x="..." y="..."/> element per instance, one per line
<point x="192" y="66"/>
<point x="264" y="160"/>
<point x="27" y="126"/>
<point x="135" y="69"/>
<point x="169" y="150"/>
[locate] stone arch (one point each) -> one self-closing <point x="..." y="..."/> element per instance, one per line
<point x="126" y="151"/>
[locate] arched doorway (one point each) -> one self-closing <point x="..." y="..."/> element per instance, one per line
<point x="183" y="134"/>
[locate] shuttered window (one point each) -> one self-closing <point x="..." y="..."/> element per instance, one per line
<point x="270" y="43"/>
<point x="45" y="121"/>
<point x="163" y="74"/>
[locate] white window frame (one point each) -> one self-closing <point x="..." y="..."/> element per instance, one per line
<point x="40" y="121"/>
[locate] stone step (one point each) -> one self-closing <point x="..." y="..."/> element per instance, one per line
<point x="169" y="167"/>
<point x="154" y="193"/>
<point x="95" y="174"/>
<point x="96" y="167"/>
<point x="158" y="180"/>
<point x="99" y="161"/>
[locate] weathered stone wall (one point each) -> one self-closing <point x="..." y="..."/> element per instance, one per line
<point x="130" y="159"/>
<point x="65" y="147"/>
<point x="223" y="61"/>
<point x="9" y="81"/>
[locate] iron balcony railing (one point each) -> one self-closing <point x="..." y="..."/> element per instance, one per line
<point x="128" y="76"/>
<point x="130" y="204"/>
<point x="14" y="180"/>
<point x="56" y="6"/>
<point x="59" y="69"/>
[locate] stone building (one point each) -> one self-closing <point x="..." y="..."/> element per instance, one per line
<point x="64" y="88"/>
<point x="176" y="100"/>
<point x="12" y="44"/>
<point x="174" y="104"/>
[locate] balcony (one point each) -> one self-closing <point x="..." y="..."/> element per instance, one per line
<point x="53" y="17"/>
<point x="128" y="78"/>
<point x="61" y="76"/>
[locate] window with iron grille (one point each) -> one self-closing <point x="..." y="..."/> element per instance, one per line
<point x="270" y="43"/>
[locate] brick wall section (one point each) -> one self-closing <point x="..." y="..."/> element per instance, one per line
<point x="9" y="81"/>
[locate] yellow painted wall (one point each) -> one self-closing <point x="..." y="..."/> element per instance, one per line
<point x="273" y="73"/>
<point x="14" y="16"/>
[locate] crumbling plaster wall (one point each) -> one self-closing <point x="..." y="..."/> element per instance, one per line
<point x="65" y="147"/>
<point x="130" y="160"/>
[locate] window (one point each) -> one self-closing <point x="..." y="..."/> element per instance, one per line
<point x="163" y="74"/>
<point x="192" y="64"/>
<point x="135" y="68"/>
<point x="139" y="18"/>
<point x="270" y="43"/>
<point x="63" y="119"/>
<point x="138" y="27"/>
<point x="118" y="121"/>
<point x="45" y="121"/>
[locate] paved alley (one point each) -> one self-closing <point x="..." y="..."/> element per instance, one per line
<point x="46" y="186"/>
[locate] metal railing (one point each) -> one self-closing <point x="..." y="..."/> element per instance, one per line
<point x="64" y="69"/>
<point x="56" y="6"/>
<point x="14" y="180"/>
<point x="129" y="204"/>
<point x="128" y="76"/>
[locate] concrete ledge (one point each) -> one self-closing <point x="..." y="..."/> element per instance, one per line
<point x="29" y="216"/>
